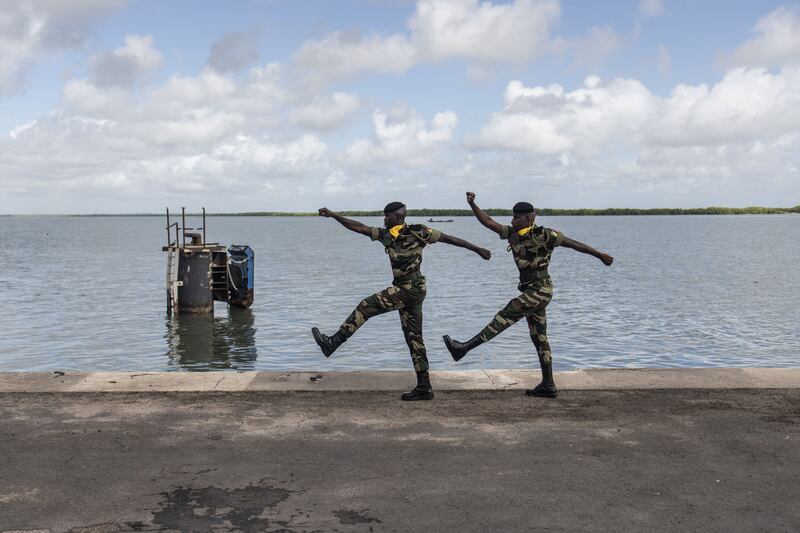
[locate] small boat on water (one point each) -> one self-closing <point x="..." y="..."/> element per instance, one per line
<point x="448" y="220"/>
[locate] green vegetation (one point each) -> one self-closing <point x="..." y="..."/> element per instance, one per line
<point x="611" y="211"/>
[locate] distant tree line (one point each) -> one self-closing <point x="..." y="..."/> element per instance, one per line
<point x="612" y="211"/>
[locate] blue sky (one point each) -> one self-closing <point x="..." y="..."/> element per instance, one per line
<point x="276" y="105"/>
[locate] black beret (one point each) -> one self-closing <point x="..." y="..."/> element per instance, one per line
<point x="392" y="206"/>
<point x="523" y="208"/>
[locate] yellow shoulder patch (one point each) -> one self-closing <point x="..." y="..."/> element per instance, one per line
<point x="524" y="231"/>
<point x="395" y="231"/>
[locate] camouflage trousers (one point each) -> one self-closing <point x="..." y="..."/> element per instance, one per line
<point x="531" y="304"/>
<point x="405" y="298"/>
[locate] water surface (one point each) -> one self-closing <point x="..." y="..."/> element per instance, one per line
<point x="87" y="293"/>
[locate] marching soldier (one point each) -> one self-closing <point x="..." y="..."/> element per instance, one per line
<point x="404" y="244"/>
<point x="531" y="246"/>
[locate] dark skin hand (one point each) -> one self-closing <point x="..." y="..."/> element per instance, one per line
<point x="396" y="218"/>
<point x="519" y="222"/>
<point x="352" y="225"/>
<point x="461" y="243"/>
<point x="586" y="249"/>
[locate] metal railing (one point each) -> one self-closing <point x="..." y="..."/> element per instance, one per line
<point x="181" y="229"/>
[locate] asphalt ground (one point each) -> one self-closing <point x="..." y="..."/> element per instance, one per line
<point x="471" y="460"/>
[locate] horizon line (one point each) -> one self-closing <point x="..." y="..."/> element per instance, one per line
<point x="444" y="211"/>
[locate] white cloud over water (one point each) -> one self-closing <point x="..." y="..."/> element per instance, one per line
<point x="234" y="51"/>
<point x="776" y="41"/>
<point x="401" y="137"/>
<point x="480" y="32"/>
<point x="32" y="29"/>
<point x="259" y="138"/>
<point x="745" y="106"/>
<point x="742" y="130"/>
<point x="128" y="64"/>
<point x="326" y="112"/>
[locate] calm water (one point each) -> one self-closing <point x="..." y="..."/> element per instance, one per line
<point x="688" y="291"/>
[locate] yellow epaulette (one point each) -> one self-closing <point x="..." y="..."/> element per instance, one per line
<point x="395" y="231"/>
<point x="524" y="231"/>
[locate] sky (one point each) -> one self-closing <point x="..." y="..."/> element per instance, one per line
<point x="115" y="106"/>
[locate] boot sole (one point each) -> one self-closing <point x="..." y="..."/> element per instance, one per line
<point x="418" y="398"/>
<point x="455" y="357"/>
<point x="539" y="394"/>
<point x="318" y="339"/>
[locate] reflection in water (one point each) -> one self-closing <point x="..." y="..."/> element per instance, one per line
<point x="207" y="342"/>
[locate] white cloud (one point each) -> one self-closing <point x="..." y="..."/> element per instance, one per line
<point x="290" y="158"/>
<point x="777" y="41"/>
<point x="15" y="132"/>
<point x="255" y="140"/>
<point x="480" y="32"/>
<point x="30" y="29"/>
<point x="234" y="51"/>
<point x="746" y="105"/>
<point x="261" y="94"/>
<point x="85" y="97"/>
<point x="202" y="133"/>
<point x="342" y="55"/>
<point x="89" y="155"/>
<point x="198" y="127"/>
<point x="327" y="112"/>
<point x="126" y="65"/>
<point x="401" y="137"/>
<point x="208" y="88"/>
<point x="738" y="136"/>
<point x="19" y="37"/>
<point x="549" y="120"/>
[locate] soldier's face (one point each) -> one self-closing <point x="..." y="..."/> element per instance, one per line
<point x="522" y="221"/>
<point x="394" y="218"/>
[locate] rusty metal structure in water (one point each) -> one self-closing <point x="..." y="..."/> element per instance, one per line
<point x="200" y="273"/>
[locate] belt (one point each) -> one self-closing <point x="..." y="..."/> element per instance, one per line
<point x="408" y="277"/>
<point x="534" y="275"/>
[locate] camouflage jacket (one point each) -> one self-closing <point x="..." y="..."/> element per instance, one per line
<point x="405" y="251"/>
<point x="532" y="252"/>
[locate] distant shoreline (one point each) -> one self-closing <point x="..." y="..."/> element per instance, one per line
<point x="546" y="212"/>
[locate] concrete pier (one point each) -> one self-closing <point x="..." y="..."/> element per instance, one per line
<point x="592" y="379"/>
<point x="618" y="450"/>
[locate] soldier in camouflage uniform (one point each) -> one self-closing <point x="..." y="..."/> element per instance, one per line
<point x="404" y="245"/>
<point x="531" y="246"/>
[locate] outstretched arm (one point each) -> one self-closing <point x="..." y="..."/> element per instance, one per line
<point x="455" y="241"/>
<point x="482" y="217"/>
<point x="586" y="249"/>
<point x="352" y="225"/>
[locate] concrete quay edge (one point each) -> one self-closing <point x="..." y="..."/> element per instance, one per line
<point x="254" y="381"/>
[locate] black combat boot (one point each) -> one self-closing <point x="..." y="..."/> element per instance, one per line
<point x="460" y="349"/>
<point x="328" y="344"/>
<point x="423" y="390"/>
<point x="547" y="388"/>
